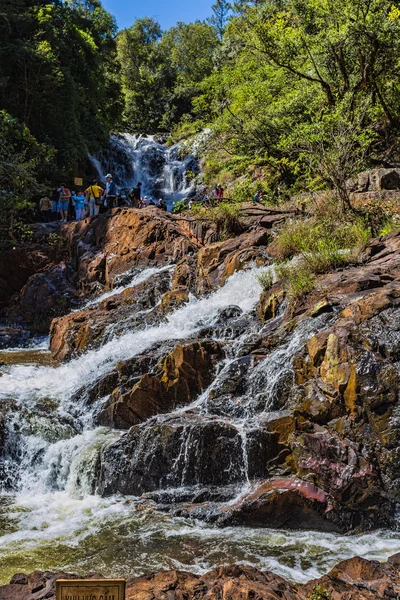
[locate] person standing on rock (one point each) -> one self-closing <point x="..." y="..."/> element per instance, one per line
<point x="220" y="192"/>
<point x="136" y="195"/>
<point x="110" y="194"/>
<point x="93" y="195"/>
<point x="79" y="203"/>
<point x="65" y="196"/>
<point x="45" y="209"/>
<point x="55" y="197"/>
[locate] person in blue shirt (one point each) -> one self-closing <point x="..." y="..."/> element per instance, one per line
<point x="78" y="200"/>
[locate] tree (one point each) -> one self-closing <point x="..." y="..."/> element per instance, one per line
<point x="22" y="159"/>
<point x="145" y="75"/>
<point x="56" y="74"/>
<point x="221" y="10"/>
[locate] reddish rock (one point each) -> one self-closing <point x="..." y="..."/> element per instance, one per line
<point x="182" y="376"/>
<point x="217" y="262"/>
<point x="47" y="294"/>
<point x="78" y="331"/>
<point x="354" y="579"/>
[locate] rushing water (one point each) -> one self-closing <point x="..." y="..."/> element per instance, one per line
<point x="50" y="516"/>
<point x="165" y="172"/>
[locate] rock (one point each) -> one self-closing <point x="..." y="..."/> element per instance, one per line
<point x="353" y="579"/>
<point x="173" y="299"/>
<point x="125" y="238"/>
<point x="79" y="331"/>
<point x="12" y="335"/>
<point x="216" y="262"/>
<point x="25" y="261"/>
<point x="270" y="303"/>
<point x="375" y="180"/>
<point x="181" y="377"/>
<point x="47" y="294"/>
<point x="178" y="451"/>
<point x="282" y="503"/>
<point x="230" y="312"/>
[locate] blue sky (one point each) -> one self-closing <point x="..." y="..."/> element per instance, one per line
<point x="166" y="12"/>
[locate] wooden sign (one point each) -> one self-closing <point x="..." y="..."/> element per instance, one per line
<point x="90" y="589"/>
<point x="78" y="181"/>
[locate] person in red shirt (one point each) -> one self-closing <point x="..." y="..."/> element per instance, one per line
<point x="220" y="192"/>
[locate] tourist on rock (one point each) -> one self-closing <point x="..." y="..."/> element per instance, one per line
<point x="220" y="192"/>
<point x="110" y="194"/>
<point x="45" y="209"/>
<point x="136" y="195"/>
<point x="93" y="195"/>
<point x="257" y="198"/>
<point x="65" y="196"/>
<point x="162" y="204"/>
<point x="55" y="197"/>
<point x="78" y="200"/>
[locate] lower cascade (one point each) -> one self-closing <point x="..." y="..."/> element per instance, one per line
<point x="153" y="442"/>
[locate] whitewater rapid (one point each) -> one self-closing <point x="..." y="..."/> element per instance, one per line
<point x="54" y="520"/>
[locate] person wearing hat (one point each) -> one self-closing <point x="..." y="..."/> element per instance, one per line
<point x="110" y="193"/>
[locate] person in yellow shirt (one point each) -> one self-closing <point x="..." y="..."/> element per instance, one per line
<point x="93" y="195"/>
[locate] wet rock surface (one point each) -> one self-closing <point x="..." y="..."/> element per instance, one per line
<point x="294" y="409"/>
<point x="353" y="579"/>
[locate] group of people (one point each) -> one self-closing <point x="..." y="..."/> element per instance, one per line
<point x="64" y="204"/>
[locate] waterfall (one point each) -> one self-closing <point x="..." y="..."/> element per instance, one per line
<point x="50" y="514"/>
<point x="165" y="172"/>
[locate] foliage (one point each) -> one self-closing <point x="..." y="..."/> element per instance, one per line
<point x="21" y="159"/>
<point x="310" y="89"/>
<point x="56" y="73"/>
<point x="298" y="279"/>
<point x="266" y="279"/>
<point x="320" y="245"/>
<point x="227" y="218"/>
<point x="180" y="206"/>
<point x="161" y="72"/>
<point x="319" y="593"/>
<point x="326" y="238"/>
<point x="220" y="14"/>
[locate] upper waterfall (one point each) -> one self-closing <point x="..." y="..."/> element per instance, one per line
<point x="165" y="172"/>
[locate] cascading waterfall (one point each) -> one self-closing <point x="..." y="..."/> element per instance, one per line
<point x="165" y="172"/>
<point x="50" y="515"/>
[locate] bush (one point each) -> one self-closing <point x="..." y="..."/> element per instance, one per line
<point x="322" y="246"/>
<point x="327" y="237"/>
<point x="266" y="279"/>
<point x="298" y="279"/>
<point x="319" y="593"/>
<point x="227" y="218"/>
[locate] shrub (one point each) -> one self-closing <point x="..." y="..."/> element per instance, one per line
<point x="266" y="279"/>
<point x="319" y="593"/>
<point x="227" y="218"/>
<point x="298" y="279"/>
<point x="327" y="237"/>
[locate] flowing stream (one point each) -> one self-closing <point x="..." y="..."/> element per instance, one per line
<point x="50" y="515"/>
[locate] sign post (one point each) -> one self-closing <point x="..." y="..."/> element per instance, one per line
<point x="90" y="589"/>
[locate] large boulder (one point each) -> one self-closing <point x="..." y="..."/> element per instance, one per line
<point x="82" y="330"/>
<point x="47" y="294"/>
<point x="181" y="377"/>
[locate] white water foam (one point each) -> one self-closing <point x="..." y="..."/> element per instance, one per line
<point x="134" y="280"/>
<point x="27" y="383"/>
